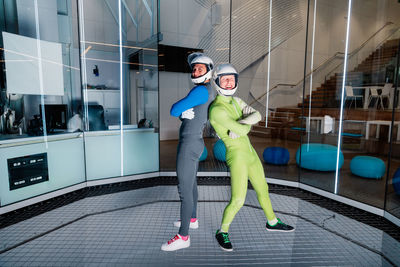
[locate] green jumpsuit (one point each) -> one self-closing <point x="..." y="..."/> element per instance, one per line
<point x="225" y="113"/>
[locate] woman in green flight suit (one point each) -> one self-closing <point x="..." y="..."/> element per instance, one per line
<point x="232" y="118"/>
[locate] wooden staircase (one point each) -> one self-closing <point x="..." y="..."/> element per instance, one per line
<point x="281" y="122"/>
<point x="370" y="71"/>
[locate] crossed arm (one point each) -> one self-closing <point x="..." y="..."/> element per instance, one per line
<point x="197" y="96"/>
<point x="235" y="128"/>
<point x="219" y="116"/>
<point x="250" y="115"/>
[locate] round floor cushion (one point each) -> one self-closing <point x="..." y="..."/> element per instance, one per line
<point x="318" y="157"/>
<point x="276" y="155"/>
<point x="219" y="150"/>
<point x="396" y="181"/>
<point x="367" y="167"/>
<point x="204" y="154"/>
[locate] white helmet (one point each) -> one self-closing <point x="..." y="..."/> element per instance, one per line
<point x="222" y="70"/>
<point x="200" y="58"/>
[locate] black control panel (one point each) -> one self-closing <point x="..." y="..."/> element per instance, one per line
<point x="27" y="170"/>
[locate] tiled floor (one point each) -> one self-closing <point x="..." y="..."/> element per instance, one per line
<point x="128" y="228"/>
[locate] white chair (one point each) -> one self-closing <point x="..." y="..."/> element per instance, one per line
<point x="351" y="96"/>
<point x="380" y="96"/>
<point x="386" y="93"/>
<point x="373" y="94"/>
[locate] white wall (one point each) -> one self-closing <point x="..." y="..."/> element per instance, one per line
<point x="173" y="87"/>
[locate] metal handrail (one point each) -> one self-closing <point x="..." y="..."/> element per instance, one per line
<point x="352" y="54"/>
<point x="332" y="58"/>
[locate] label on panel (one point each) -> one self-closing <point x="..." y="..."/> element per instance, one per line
<point x="27" y="170"/>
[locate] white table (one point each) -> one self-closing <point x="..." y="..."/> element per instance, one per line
<point x="320" y="123"/>
<point x="378" y="125"/>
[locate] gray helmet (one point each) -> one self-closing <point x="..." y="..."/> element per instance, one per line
<point x="200" y="58"/>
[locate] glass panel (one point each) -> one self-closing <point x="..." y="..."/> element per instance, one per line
<point x="188" y="26"/>
<point x="326" y="46"/>
<point x="40" y="139"/>
<point x="140" y="78"/>
<point x="41" y="69"/>
<point x="368" y="103"/>
<point x="120" y="83"/>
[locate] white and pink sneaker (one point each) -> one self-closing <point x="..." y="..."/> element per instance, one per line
<point x="194" y="223"/>
<point x="176" y="243"/>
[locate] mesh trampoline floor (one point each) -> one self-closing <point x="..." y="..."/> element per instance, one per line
<point x="128" y="228"/>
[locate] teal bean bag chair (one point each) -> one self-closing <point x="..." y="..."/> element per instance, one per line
<point x="219" y="150"/>
<point x="204" y="154"/>
<point x="318" y="157"/>
<point x="367" y="167"/>
<point x="276" y="155"/>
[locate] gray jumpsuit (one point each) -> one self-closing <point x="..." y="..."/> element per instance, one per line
<point x="190" y="148"/>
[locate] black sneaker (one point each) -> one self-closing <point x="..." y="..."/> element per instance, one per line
<point x="280" y="227"/>
<point x="223" y="240"/>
